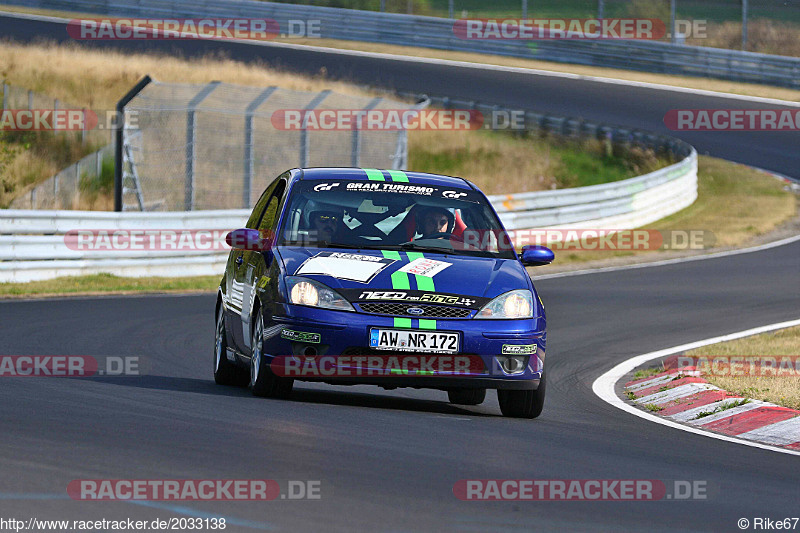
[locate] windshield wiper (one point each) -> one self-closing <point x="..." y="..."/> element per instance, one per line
<point x="415" y="246"/>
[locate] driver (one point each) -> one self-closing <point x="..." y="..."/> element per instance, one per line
<point x="326" y="224"/>
<point x="433" y="220"/>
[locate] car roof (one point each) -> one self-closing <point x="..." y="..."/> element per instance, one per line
<point x="360" y="174"/>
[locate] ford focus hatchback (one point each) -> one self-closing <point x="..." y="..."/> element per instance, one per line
<point x="391" y="278"/>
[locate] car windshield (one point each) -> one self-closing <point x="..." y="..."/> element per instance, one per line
<point x="392" y="216"/>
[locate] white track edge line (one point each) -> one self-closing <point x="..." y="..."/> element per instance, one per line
<point x="479" y="66"/>
<point x="714" y="255"/>
<point x="604" y="385"/>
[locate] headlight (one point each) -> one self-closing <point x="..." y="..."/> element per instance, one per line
<point x="513" y="304"/>
<point x="304" y="291"/>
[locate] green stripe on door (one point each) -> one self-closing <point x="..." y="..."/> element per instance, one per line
<point x="374" y="174"/>
<point x="402" y="322"/>
<point x="427" y="324"/>
<point x="424" y="283"/>
<point x="390" y="254"/>
<point x="398" y="175"/>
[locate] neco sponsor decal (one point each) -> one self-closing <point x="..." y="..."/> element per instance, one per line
<point x="578" y="490"/>
<point x="48" y="120"/>
<point x="376" y="119"/>
<point x="179" y="28"/>
<point x="732" y="119"/>
<point x="559" y="28"/>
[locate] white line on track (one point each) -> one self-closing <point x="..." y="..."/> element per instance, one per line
<point x="767" y="246"/>
<point x="603" y="386"/>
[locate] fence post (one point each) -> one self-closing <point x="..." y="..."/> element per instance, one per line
<point x="5" y="95"/>
<point x="56" y="202"/>
<point x="303" y="132"/>
<point x="119" y="138"/>
<point x="247" y="186"/>
<point x="30" y="99"/>
<point x="83" y="129"/>
<point x="55" y="109"/>
<point x="191" y="125"/>
<point x="355" y="150"/>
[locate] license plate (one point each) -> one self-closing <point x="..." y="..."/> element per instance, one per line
<point x="413" y="340"/>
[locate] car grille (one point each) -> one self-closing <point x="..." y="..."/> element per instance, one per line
<point x="401" y="309"/>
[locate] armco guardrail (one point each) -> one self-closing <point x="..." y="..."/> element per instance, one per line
<point x="33" y="246"/>
<point x="433" y="32"/>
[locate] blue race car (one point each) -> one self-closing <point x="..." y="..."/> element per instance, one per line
<point x="392" y="278"/>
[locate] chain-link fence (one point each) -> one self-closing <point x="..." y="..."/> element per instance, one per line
<point x="19" y="98"/>
<point x="216" y="146"/>
<point x="75" y="187"/>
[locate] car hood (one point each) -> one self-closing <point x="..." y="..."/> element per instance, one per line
<point x="345" y="269"/>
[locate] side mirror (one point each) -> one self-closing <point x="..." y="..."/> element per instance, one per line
<point x="536" y="255"/>
<point x="248" y="239"/>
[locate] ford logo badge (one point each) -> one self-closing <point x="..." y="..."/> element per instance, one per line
<point x="415" y="311"/>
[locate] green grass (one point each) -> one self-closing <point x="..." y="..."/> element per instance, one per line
<point x="653" y="407"/>
<point x="647" y="372"/>
<point x="630" y="395"/>
<point x="109" y="284"/>
<point x="722" y="408"/>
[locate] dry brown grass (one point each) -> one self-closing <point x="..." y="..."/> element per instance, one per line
<point x="98" y="78"/>
<point x="782" y="389"/>
<point x="763" y="36"/>
<point x="527" y="165"/>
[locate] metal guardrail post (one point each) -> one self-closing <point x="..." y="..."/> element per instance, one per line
<point x="118" y="138"/>
<point x="30" y="99"/>
<point x="247" y="186"/>
<point x="191" y="126"/>
<point x="355" y="149"/>
<point x="303" y="132"/>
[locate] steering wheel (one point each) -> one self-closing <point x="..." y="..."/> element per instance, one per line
<point x="443" y="235"/>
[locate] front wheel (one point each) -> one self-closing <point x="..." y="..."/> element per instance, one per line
<point x="263" y="382"/>
<point x="225" y="372"/>
<point x="522" y="403"/>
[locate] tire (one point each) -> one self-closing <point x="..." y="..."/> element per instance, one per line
<point x="522" y="403"/>
<point x="225" y="372"/>
<point x="263" y="382"/>
<point x="466" y="396"/>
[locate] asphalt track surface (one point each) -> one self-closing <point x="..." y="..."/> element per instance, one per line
<point x="387" y="461"/>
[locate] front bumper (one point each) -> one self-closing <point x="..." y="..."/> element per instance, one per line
<point x="301" y="330"/>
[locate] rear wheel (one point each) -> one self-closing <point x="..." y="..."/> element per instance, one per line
<point x="466" y="396"/>
<point x="522" y="403"/>
<point x="262" y="381"/>
<point x="225" y="372"/>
